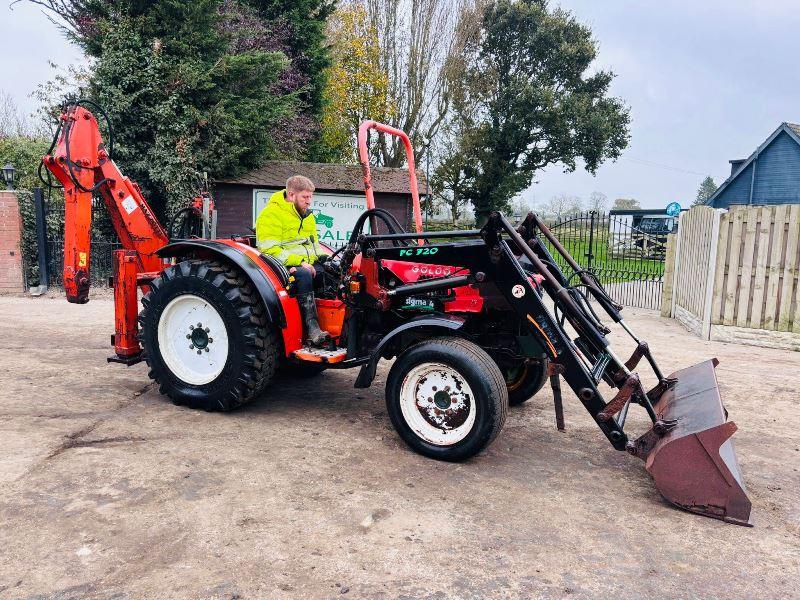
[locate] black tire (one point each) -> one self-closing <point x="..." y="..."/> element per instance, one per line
<point x="253" y="343"/>
<point x="483" y="377"/>
<point x="524" y="380"/>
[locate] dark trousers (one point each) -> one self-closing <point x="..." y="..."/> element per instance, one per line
<point x="304" y="282"/>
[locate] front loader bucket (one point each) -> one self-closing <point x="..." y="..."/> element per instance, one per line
<point x="693" y="464"/>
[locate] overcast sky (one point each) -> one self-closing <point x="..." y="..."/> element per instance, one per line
<point x="706" y="81"/>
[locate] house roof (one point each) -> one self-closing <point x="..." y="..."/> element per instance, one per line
<point x="330" y="177"/>
<point x="793" y="129"/>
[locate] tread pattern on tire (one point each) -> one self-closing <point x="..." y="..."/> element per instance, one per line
<point x="261" y="339"/>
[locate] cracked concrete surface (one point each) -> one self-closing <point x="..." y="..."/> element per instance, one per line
<point x="107" y="490"/>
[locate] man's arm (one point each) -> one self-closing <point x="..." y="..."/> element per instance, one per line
<point x="268" y="239"/>
<point x="316" y="247"/>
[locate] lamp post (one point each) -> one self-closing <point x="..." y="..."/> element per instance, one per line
<point x="8" y="176"/>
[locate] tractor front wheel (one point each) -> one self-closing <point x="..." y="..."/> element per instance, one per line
<point x="446" y="398"/>
<point x="205" y="335"/>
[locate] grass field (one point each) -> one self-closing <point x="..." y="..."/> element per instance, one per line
<point x="621" y="263"/>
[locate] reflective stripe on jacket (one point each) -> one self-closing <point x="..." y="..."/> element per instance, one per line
<point x="281" y="232"/>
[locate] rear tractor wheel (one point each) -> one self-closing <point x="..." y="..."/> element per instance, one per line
<point x="446" y="398"/>
<point x="205" y="335"/>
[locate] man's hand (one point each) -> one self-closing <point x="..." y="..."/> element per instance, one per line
<point x="309" y="267"/>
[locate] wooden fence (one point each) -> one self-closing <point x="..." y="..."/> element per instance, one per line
<point x="735" y="274"/>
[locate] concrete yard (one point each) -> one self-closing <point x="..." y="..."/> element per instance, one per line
<point x="107" y="490"/>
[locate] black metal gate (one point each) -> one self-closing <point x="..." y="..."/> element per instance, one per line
<point x="101" y="261"/>
<point x="627" y="260"/>
<point x="103" y="244"/>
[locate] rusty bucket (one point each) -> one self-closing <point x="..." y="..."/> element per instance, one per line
<point x="693" y="464"/>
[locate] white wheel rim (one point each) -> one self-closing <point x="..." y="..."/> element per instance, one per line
<point x="425" y="392"/>
<point x="193" y="339"/>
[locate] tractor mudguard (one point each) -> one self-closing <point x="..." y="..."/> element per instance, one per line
<point x="249" y="267"/>
<point x="446" y="324"/>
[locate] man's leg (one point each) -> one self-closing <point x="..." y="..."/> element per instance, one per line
<point x="304" y="286"/>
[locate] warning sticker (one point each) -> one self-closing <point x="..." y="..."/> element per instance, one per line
<point x="129" y="204"/>
<point x="81" y="259"/>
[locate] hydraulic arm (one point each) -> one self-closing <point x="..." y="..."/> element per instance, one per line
<point x="83" y="165"/>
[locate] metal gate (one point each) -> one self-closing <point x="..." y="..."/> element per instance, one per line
<point x="101" y="261"/>
<point x="627" y="260"/>
<point x="103" y="243"/>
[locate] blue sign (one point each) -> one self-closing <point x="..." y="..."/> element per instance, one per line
<point x="673" y="209"/>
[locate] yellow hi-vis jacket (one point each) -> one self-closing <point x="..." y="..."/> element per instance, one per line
<point x="281" y="232"/>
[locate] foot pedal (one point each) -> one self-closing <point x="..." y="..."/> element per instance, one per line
<point x="320" y="355"/>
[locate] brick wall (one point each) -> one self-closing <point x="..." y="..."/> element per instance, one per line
<point x="11" y="281"/>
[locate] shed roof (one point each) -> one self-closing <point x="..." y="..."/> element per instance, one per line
<point x="792" y="129"/>
<point x="329" y="177"/>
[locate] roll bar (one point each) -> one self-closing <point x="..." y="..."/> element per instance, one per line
<point x="363" y="155"/>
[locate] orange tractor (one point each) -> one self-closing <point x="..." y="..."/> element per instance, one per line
<point x="466" y="318"/>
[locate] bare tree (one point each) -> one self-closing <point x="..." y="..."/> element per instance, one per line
<point x="13" y="122"/>
<point x="520" y="208"/>
<point x="418" y="45"/>
<point x="562" y="205"/>
<point x="598" y="202"/>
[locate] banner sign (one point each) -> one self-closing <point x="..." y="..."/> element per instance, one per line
<point x="336" y="214"/>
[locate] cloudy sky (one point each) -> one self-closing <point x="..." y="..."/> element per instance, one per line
<point x="706" y="81"/>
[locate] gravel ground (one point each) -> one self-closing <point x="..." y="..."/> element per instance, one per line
<point x="108" y="490"/>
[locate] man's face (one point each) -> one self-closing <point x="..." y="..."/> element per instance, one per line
<point x="301" y="200"/>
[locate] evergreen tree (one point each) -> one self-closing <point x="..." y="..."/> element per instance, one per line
<point x="705" y="191"/>
<point x="195" y="86"/>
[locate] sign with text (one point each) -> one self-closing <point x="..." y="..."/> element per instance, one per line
<point x="336" y="214"/>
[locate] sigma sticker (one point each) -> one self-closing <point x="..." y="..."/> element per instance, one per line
<point x="81" y="259"/>
<point x="518" y="291"/>
<point x="129" y="204"/>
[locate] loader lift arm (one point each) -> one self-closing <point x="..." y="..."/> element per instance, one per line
<point x="687" y="450"/>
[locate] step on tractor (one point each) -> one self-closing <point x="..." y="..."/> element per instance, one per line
<point x="476" y="320"/>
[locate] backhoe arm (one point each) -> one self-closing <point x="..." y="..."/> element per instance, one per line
<point x="82" y="163"/>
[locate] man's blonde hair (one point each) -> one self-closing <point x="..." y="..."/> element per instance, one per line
<point x="299" y="183"/>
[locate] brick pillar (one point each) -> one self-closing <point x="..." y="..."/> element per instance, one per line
<point x="11" y="277"/>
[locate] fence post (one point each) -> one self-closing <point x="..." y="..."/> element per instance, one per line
<point x="711" y="274"/>
<point x="677" y="266"/>
<point x="41" y="239"/>
<point x="669" y="268"/>
<point x="590" y="255"/>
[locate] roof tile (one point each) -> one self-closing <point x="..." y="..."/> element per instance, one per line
<point x="329" y="177"/>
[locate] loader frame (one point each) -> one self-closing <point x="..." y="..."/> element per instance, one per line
<point x="490" y="258"/>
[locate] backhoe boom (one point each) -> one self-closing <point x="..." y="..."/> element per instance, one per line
<point x="83" y="165"/>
